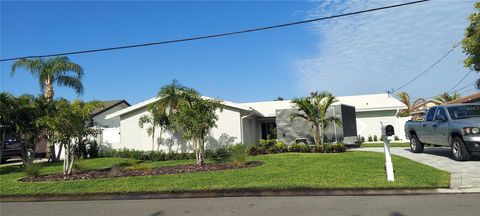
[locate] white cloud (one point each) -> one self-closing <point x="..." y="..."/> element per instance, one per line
<point x="373" y="52"/>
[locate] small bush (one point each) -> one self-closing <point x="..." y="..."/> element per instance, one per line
<point x="238" y="154"/>
<point x="301" y="147"/>
<point x="370" y="138"/>
<point x="267" y="143"/>
<point x="252" y="150"/>
<point x="396" y="138"/>
<point x="280" y="147"/>
<point x="222" y="155"/>
<point x="375" y="138"/>
<point x="317" y="149"/>
<point x="32" y="170"/>
<point x="92" y="149"/>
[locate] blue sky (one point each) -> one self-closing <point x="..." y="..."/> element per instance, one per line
<point x="363" y="54"/>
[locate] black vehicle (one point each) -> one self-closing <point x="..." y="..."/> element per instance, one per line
<point x="11" y="149"/>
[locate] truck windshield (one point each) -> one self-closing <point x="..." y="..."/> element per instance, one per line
<point x="467" y="111"/>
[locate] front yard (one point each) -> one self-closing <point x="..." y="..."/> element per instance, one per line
<point x="350" y="170"/>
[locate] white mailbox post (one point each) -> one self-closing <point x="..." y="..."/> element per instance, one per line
<point x="388" y="130"/>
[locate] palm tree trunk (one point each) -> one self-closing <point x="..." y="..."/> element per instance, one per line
<point x="322" y="134"/>
<point x="49" y="90"/>
<point x="160" y="140"/>
<point x="201" y="156"/>
<point x="153" y="138"/>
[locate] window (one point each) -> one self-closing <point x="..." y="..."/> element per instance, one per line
<point x="269" y="131"/>
<point x="431" y="113"/>
<point x="441" y="112"/>
<point x="466" y="111"/>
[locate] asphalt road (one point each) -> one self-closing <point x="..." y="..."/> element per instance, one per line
<point x="454" y="204"/>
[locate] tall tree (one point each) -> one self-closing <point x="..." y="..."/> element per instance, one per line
<point x="69" y="128"/>
<point x="196" y="117"/>
<point x="314" y="110"/>
<point x="445" y="98"/>
<point x="50" y="71"/>
<point x="471" y="42"/>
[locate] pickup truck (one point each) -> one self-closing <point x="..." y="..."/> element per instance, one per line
<point x="455" y="126"/>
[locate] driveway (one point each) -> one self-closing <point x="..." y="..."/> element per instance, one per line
<point x="465" y="175"/>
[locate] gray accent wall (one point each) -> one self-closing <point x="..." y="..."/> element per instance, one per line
<point x="288" y="131"/>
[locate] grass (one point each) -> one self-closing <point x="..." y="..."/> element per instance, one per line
<point x="281" y="171"/>
<point x="392" y="144"/>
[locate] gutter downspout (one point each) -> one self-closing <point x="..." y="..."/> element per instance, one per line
<point x="241" y="127"/>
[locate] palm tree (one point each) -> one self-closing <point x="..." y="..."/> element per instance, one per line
<point x="445" y="98"/>
<point x="170" y="96"/>
<point x="49" y="71"/>
<point x="314" y="110"/>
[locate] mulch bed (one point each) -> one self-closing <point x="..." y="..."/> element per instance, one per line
<point x="125" y="172"/>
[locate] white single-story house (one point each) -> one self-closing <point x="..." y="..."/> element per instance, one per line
<point x="248" y="122"/>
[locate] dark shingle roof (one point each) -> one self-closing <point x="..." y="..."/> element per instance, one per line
<point x="107" y="105"/>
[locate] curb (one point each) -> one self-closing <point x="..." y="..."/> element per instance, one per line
<point x="216" y="194"/>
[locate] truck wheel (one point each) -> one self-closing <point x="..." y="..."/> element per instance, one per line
<point x="459" y="150"/>
<point x="415" y="145"/>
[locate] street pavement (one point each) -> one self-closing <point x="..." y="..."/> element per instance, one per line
<point x="465" y="175"/>
<point x="451" y="204"/>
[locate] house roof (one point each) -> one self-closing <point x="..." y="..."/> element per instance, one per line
<point x="108" y="105"/>
<point x="154" y="99"/>
<point x="362" y="103"/>
<point x="467" y="99"/>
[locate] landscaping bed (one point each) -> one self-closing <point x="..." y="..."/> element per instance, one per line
<point x="125" y="172"/>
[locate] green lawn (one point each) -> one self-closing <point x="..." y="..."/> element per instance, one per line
<point x="399" y="144"/>
<point x="281" y="171"/>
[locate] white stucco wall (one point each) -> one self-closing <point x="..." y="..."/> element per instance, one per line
<point x="100" y="119"/>
<point x="368" y="123"/>
<point x="134" y="137"/>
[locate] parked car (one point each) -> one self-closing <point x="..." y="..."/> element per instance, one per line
<point x="456" y="126"/>
<point x="11" y="149"/>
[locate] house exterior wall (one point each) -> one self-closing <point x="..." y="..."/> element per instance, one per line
<point x="100" y="119"/>
<point x="368" y="123"/>
<point x="132" y="136"/>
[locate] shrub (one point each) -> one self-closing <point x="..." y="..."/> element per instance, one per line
<point x="301" y="147"/>
<point x="238" y="154"/>
<point x="370" y="138"/>
<point x="280" y="147"/>
<point x="396" y="138"/>
<point x="317" y="148"/>
<point x="92" y="149"/>
<point x="375" y="138"/>
<point x="252" y="150"/>
<point x="32" y="170"/>
<point x="222" y="155"/>
<point x="267" y="143"/>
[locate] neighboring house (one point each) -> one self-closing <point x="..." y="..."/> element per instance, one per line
<point x="110" y="127"/>
<point x="425" y="105"/>
<point x="248" y="122"/>
<point x="473" y="98"/>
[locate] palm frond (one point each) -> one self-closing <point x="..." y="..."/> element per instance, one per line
<point x="72" y="82"/>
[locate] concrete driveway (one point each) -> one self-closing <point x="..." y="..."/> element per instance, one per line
<point x="465" y="175"/>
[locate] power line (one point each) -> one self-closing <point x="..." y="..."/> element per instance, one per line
<point x="450" y="91"/>
<point x="425" y="71"/>
<point x="466" y="86"/>
<point x="215" y="35"/>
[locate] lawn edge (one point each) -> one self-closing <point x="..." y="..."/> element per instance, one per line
<point x="234" y="193"/>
